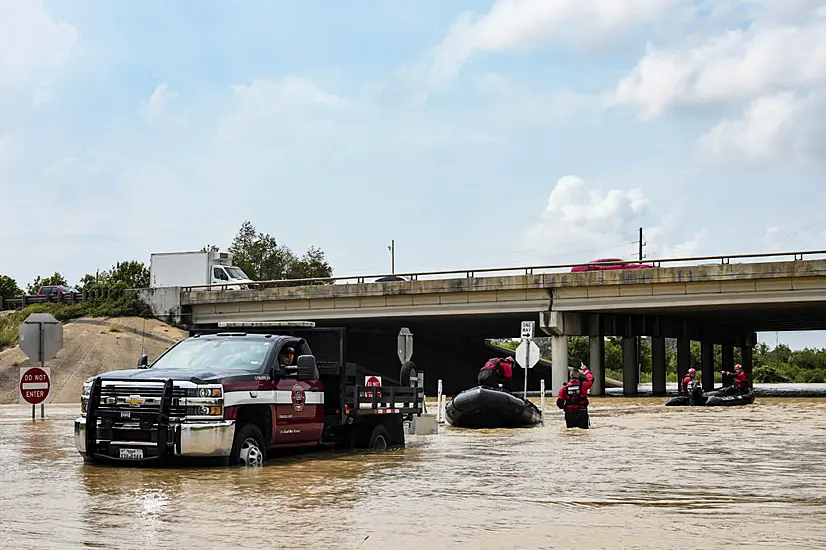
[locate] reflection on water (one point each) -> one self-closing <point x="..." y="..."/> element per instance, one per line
<point x="644" y="476"/>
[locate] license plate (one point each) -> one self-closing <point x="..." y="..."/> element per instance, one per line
<point x="133" y="454"/>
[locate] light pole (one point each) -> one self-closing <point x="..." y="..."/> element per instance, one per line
<point x="392" y="249"/>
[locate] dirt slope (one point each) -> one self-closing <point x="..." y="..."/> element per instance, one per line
<point x="90" y="346"/>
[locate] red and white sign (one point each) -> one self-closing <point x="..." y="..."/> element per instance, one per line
<point x="372" y="381"/>
<point x="35" y="385"/>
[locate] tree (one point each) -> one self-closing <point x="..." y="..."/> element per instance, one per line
<point x="312" y="265"/>
<point x="8" y="287"/>
<point x="55" y="279"/>
<point x="263" y="259"/>
<point x="123" y="275"/>
<point x="210" y="248"/>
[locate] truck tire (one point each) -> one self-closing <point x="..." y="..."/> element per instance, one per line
<point x="379" y="439"/>
<point x="248" y="448"/>
<point x="408" y="371"/>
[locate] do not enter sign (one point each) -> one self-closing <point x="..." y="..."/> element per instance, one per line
<point x="35" y="385"/>
<point x="372" y="381"/>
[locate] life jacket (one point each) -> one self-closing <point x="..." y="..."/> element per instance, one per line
<point x="741" y="382"/>
<point x="499" y="366"/>
<point x="575" y="397"/>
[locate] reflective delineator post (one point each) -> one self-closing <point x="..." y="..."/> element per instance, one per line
<point x="439" y="402"/>
<point x="542" y="397"/>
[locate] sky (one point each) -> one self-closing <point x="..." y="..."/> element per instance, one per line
<point x="473" y="133"/>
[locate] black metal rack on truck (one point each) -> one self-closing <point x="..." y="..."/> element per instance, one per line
<point x="239" y="391"/>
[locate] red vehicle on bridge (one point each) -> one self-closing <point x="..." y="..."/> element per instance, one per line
<point x="227" y="395"/>
<point x="593" y="265"/>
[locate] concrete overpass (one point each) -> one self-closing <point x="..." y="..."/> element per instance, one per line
<point x="721" y="303"/>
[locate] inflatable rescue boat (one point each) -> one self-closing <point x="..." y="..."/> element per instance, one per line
<point x="715" y="398"/>
<point x="486" y="407"/>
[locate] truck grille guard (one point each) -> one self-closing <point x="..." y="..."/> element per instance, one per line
<point x="157" y="413"/>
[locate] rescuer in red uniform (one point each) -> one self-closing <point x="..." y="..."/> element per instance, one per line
<point x="573" y="397"/>
<point x="741" y="381"/>
<point x="496" y="371"/>
<point x="687" y="380"/>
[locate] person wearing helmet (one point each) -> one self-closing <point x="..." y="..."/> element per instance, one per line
<point x="286" y="356"/>
<point x="573" y="397"/>
<point x="741" y="381"/>
<point x="496" y="372"/>
<point x="689" y="378"/>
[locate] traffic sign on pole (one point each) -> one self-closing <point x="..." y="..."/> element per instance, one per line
<point x="41" y="337"/>
<point x="373" y="382"/>
<point x="405" y="345"/>
<point x="527" y="354"/>
<point x="35" y="385"/>
<point x="527" y="329"/>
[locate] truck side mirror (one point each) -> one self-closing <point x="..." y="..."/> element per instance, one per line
<point x="306" y="368"/>
<point x="143" y="362"/>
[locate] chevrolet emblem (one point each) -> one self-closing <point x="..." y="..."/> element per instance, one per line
<point x="135" y="400"/>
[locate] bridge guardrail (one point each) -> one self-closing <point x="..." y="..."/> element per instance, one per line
<point x="525" y="270"/>
<point x="19" y="302"/>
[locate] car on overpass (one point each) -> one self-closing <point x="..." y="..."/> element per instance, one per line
<point x="594" y="265"/>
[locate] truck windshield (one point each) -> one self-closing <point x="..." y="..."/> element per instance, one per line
<point x="236" y="273"/>
<point x="212" y="354"/>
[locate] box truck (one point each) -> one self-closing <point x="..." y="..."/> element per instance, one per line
<point x="168" y="269"/>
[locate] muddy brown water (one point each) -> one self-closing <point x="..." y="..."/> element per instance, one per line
<point x="644" y="476"/>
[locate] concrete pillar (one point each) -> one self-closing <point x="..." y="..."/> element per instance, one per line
<point x="683" y="357"/>
<point x="559" y="362"/>
<point x="707" y="362"/>
<point x="658" y="365"/>
<point x="630" y="372"/>
<point x="748" y="363"/>
<point x="597" y="364"/>
<point x="727" y="356"/>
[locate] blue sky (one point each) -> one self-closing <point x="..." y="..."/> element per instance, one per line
<point x="475" y="134"/>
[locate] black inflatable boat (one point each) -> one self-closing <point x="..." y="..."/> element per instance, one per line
<point x="486" y="407"/>
<point x="715" y="398"/>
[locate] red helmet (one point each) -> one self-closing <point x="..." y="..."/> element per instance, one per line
<point x="738" y="366"/>
<point x="692" y="372"/>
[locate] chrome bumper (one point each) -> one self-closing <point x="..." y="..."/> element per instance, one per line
<point x="197" y="438"/>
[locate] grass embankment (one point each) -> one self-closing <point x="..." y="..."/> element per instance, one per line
<point x="120" y="307"/>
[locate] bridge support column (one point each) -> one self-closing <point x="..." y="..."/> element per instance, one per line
<point x="748" y="363"/>
<point x="597" y="364"/>
<point x="683" y="357"/>
<point x="707" y="362"/>
<point x="630" y="369"/>
<point x="559" y="362"/>
<point x="658" y="365"/>
<point x="727" y="356"/>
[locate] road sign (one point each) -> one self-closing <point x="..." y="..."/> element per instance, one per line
<point x="35" y="385"/>
<point x="405" y="345"/>
<point x="41" y="337"/>
<point x="525" y="359"/>
<point x="372" y="381"/>
<point x="527" y="329"/>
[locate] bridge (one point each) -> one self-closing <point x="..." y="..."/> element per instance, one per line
<point x="723" y="301"/>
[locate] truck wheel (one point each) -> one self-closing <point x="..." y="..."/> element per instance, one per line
<point x="379" y="439"/>
<point x="248" y="447"/>
<point x="408" y="371"/>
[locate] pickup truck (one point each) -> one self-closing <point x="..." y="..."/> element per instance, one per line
<point x="234" y="396"/>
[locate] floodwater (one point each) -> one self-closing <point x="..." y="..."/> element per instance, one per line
<point x="644" y="476"/>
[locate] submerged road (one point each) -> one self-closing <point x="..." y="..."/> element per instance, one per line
<point x="644" y="476"/>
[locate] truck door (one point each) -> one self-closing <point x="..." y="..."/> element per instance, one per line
<point x="219" y="275"/>
<point x="299" y="406"/>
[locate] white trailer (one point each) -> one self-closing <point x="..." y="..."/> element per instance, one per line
<point x="169" y="269"/>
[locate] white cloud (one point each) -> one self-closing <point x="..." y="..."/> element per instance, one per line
<point x="160" y="99"/>
<point x="771" y="127"/>
<point x="9" y="151"/>
<point x="32" y="45"/>
<point x="579" y="224"/>
<point x="522" y="24"/>
<point x="292" y="91"/>
<point x="772" y="72"/>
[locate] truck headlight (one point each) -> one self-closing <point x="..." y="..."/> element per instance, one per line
<point x="84" y="397"/>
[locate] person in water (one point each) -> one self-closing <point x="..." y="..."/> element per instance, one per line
<point x="496" y="372"/>
<point x="689" y="378"/>
<point x="741" y="381"/>
<point x="573" y="397"/>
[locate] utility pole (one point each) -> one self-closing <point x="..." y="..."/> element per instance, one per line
<point x="392" y="249"/>
<point x="639" y="338"/>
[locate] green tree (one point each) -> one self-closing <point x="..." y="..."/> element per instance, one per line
<point x="263" y="259"/>
<point x="128" y="274"/>
<point x="52" y="280"/>
<point x="8" y="287"/>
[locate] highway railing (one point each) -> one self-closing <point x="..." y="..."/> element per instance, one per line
<point x="19" y="302"/>
<point x="523" y="270"/>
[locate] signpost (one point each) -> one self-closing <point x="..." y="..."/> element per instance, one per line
<point x="41" y="337"/>
<point x="527" y="354"/>
<point x="405" y="345"/>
